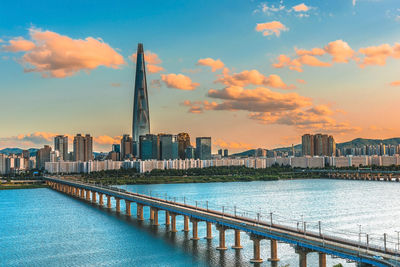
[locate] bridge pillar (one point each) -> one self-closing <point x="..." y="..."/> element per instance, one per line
<point x="221" y="230"/>
<point x="151" y="214"/>
<point x="322" y="259"/>
<point x="109" y="201"/>
<point x="274" y="251"/>
<point x="101" y="201"/>
<point x="209" y="231"/>
<point x="128" y="207"/>
<point x="88" y="195"/>
<point x="194" y="229"/>
<point x="256" y="249"/>
<point x="237" y="240"/>
<point x="185" y="223"/>
<point x="139" y="211"/>
<point x="167" y="218"/>
<point x="173" y="223"/>
<point x="302" y="256"/>
<point x="82" y="193"/>
<point x="118" y="206"/>
<point x="94" y="200"/>
<point x="155" y="219"/>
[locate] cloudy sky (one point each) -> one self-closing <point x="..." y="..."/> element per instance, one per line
<point x="248" y="73"/>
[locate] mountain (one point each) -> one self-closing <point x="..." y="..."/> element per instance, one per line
<point x="15" y="150"/>
<point x="358" y="142"/>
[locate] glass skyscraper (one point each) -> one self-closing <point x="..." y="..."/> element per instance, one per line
<point x="141" y="117"/>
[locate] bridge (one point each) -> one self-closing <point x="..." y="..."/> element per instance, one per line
<point x="358" y="174"/>
<point x="303" y="240"/>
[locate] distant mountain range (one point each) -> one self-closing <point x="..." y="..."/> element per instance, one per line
<point x="15" y="150"/>
<point x="358" y="142"/>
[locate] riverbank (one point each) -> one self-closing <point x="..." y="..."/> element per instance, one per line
<point x="21" y="186"/>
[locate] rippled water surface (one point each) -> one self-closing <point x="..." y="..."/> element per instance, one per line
<point x="41" y="227"/>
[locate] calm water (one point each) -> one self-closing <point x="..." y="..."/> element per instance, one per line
<point x="41" y="227"/>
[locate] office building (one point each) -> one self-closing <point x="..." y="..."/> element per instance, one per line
<point x="190" y="152"/>
<point x="183" y="143"/>
<point x="149" y="147"/>
<point x="141" y="117"/>
<point x="203" y="148"/>
<point x="61" y="145"/>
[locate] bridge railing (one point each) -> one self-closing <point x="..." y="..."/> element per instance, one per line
<point x="365" y="241"/>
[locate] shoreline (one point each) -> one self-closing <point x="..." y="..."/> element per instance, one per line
<point x="22" y="186"/>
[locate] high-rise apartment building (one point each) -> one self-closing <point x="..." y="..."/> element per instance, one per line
<point x="183" y="143"/>
<point x="43" y="156"/>
<point x="141" y="117"/>
<point x="307" y="145"/>
<point x="190" y="152"/>
<point x="83" y="147"/>
<point x="318" y="145"/>
<point x="203" y="148"/>
<point x="126" y="146"/>
<point x="61" y="145"/>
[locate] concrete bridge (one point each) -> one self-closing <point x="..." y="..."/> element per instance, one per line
<point x="360" y="174"/>
<point x="303" y="241"/>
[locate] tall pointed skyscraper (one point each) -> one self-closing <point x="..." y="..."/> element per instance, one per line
<point x="141" y="117"/>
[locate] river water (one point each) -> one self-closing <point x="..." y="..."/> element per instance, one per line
<point x="42" y="227"/>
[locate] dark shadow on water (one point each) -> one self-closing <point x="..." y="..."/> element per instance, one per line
<point x="203" y="251"/>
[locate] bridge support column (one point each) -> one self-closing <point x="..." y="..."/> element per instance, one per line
<point x="302" y="256"/>
<point x="237" y="240"/>
<point x="322" y="259"/>
<point x="139" y="211"/>
<point x="256" y="249"/>
<point x="167" y="218"/>
<point x="151" y="214"/>
<point x="118" y="206"/>
<point x="173" y="223"/>
<point x="88" y="195"/>
<point x="108" y="201"/>
<point x="155" y="214"/>
<point x="94" y="200"/>
<point x="209" y="231"/>
<point x="101" y="201"/>
<point x="274" y="251"/>
<point x="128" y="207"/>
<point x="82" y="193"/>
<point x="221" y="230"/>
<point x="186" y="223"/>
<point x="194" y="229"/>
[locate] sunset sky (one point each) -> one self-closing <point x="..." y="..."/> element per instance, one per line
<point x="247" y="73"/>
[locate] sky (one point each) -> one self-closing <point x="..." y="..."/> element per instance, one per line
<point x="247" y="73"/>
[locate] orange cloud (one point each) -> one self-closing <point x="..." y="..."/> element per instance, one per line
<point x="214" y="64"/>
<point x="301" y="81"/>
<point x="59" y="56"/>
<point x="395" y="83"/>
<point x="313" y="61"/>
<point x="285" y="61"/>
<point x="19" y="44"/>
<point x="301" y="8"/>
<point x="375" y="55"/>
<point x="152" y="61"/>
<point x="178" y="81"/>
<point x="269" y="28"/>
<point x="199" y="106"/>
<point x="231" y="145"/>
<point x="107" y="140"/>
<point x="340" y="51"/>
<point x="248" y="77"/>
<point x="313" y="52"/>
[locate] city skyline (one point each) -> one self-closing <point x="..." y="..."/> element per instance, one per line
<point x="277" y="72"/>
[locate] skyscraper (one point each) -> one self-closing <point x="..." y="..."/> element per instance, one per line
<point x="42" y="156"/>
<point x="141" y="117"/>
<point x="126" y="146"/>
<point x="149" y="146"/>
<point x="307" y="145"/>
<point x="61" y="145"/>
